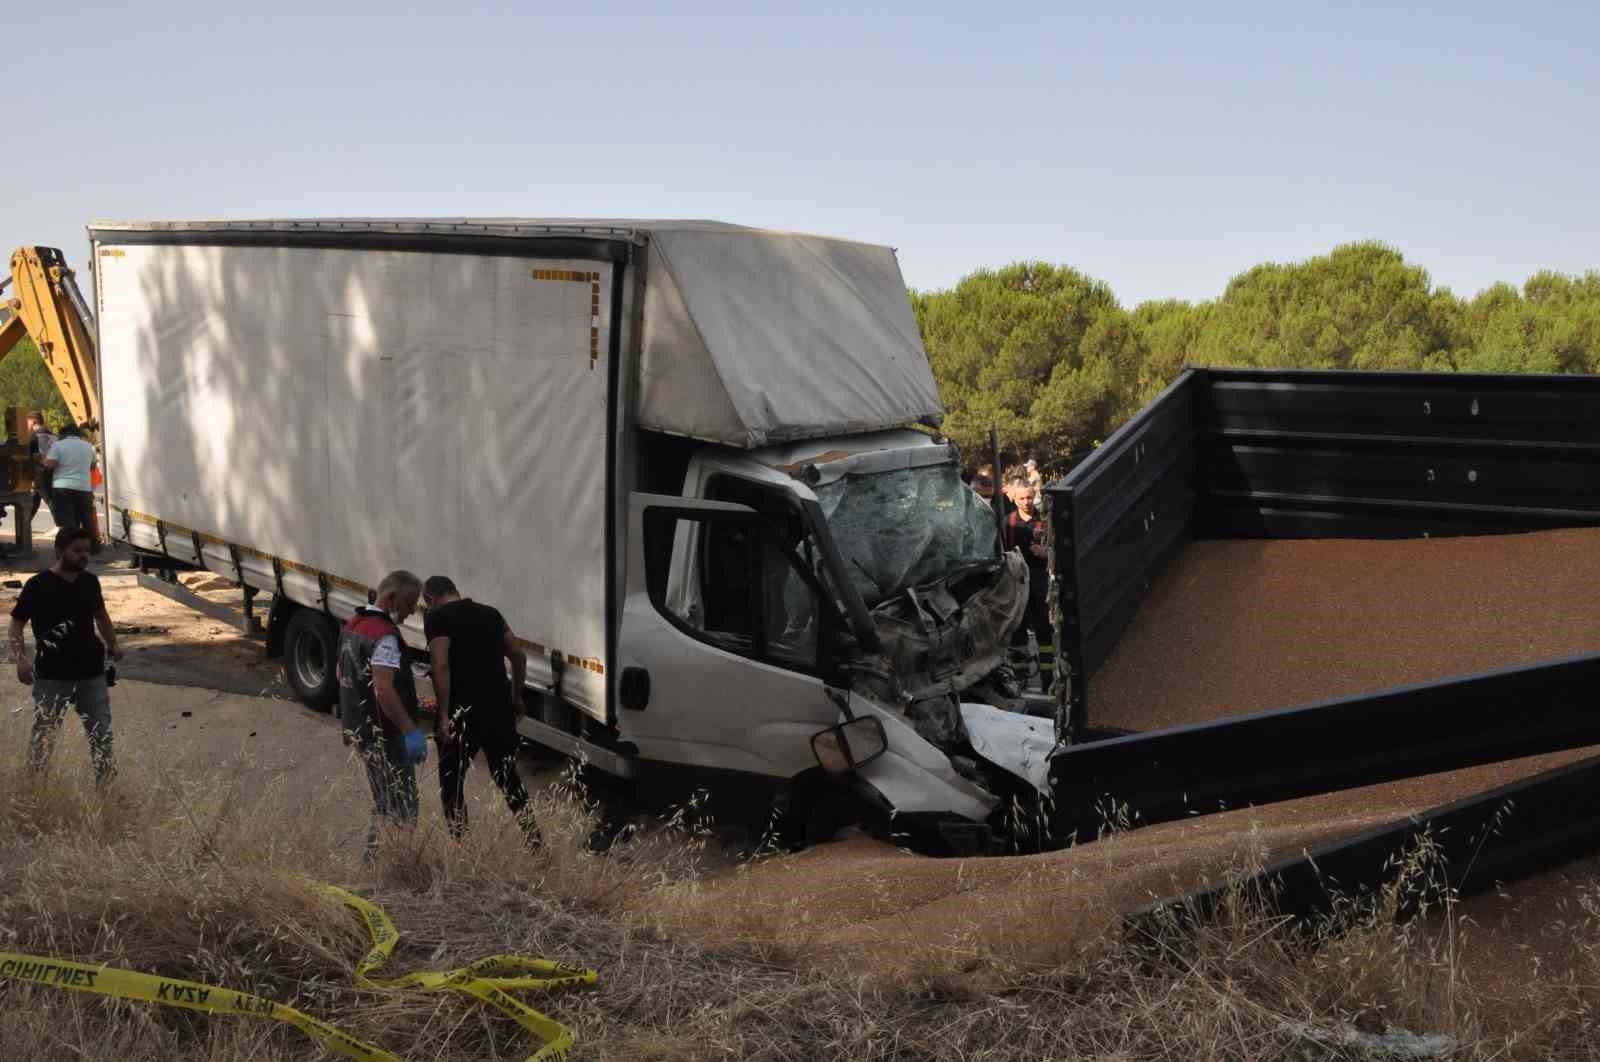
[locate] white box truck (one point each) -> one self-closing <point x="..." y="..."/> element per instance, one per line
<point x="693" y="464"/>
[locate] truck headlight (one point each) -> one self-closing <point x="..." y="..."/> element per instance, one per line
<point x="851" y="744"/>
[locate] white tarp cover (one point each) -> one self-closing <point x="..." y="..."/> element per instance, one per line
<point x="753" y="337"/>
<point x="359" y="411"/>
<point x="750" y="337"/>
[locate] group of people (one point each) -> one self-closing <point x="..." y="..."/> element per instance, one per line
<point x="63" y="476"/>
<point x="1022" y="496"/>
<point x="469" y="647"/>
<point x="1028" y="478"/>
<point x="75" y="643"/>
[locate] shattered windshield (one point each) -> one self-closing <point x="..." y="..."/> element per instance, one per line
<point x="902" y="528"/>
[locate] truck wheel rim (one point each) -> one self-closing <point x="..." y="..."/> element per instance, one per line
<point x="310" y="662"/>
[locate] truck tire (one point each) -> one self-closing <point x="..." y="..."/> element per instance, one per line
<point x="310" y="653"/>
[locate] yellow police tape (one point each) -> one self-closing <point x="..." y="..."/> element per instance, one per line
<point x="487" y="979"/>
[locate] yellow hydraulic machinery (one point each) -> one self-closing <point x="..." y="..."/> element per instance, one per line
<point x="41" y="299"/>
<point x="44" y="302"/>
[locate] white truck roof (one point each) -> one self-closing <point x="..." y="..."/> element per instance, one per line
<point x="750" y="336"/>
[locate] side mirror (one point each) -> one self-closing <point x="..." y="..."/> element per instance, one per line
<point x="850" y="745"/>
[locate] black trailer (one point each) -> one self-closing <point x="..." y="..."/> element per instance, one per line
<point x="1235" y="453"/>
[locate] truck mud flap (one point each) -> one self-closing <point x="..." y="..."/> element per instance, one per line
<point x="1492" y="837"/>
<point x="1289" y="753"/>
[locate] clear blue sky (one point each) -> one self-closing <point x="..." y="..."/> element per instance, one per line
<point x="1163" y="148"/>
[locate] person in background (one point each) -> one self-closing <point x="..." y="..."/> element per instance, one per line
<point x="70" y="462"/>
<point x="40" y="439"/>
<point x="378" y="702"/>
<point x="1036" y="481"/>
<point x="65" y="606"/>
<point x="983" y="485"/>
<point x="1026" y="531"/>
<point x="470" y="645"/>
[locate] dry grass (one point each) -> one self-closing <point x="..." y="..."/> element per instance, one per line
<point x="182" y="878"/>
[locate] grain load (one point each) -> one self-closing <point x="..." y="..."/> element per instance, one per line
<point x="1246" y="625"/>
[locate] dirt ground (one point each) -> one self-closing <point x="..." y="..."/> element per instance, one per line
<point x="197" y="696"/>
<point x="166" y="642"/>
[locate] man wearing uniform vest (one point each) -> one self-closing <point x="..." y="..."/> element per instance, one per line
<point x="377" y="699"/>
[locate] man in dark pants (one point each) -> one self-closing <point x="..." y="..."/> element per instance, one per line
<point x="65" y="606"/>
<point x="470" y="645"/>
<point x="377" y="702"/>
<point x="40" y="439"/>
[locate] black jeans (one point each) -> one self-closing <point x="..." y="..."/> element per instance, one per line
<point x="499" y="741"/>
<point x="1037" y="619"/>
<point x="91" y="700"/>
<point x="72" y="508"/>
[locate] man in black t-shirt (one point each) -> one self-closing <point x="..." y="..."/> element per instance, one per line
<point x="65" y="606"/>
<point x="470" y="644"/>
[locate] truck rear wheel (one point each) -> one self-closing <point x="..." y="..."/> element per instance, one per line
<point x="310" y="648"/>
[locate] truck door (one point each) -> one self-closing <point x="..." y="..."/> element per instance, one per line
<point x="732" y="669"/>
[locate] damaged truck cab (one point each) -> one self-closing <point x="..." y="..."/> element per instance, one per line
<point x="813" y="614"/>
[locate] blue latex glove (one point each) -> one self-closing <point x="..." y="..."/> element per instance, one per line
<point x="416" y="745"/>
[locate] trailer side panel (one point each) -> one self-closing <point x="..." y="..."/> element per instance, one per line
<point x="353" y="410"/>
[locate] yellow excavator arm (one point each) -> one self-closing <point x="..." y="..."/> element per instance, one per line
<point x="45" y="303"/>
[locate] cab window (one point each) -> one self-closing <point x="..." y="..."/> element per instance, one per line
<point x="754" y="596"/>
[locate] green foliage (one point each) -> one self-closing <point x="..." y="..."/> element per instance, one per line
<point x="1043" y="351"/>
<point x="1361" y="307"/>
<point x="25" y="382"/>
<point x="1053" y="359"/>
